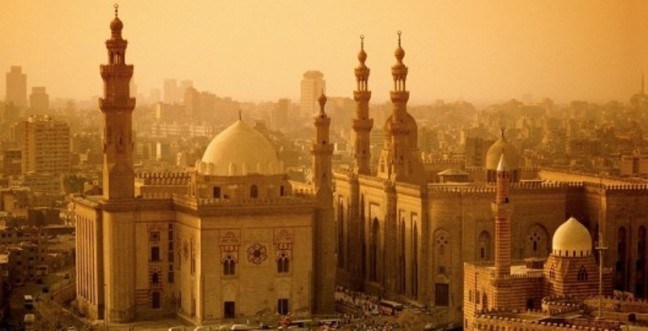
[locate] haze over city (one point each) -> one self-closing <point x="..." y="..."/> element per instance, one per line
<point x="478" y="51"/>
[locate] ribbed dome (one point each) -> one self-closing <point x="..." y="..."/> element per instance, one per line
<point x="572" y="239"/>
<point x="495" y="152"/>
<point x="239" y="150"/>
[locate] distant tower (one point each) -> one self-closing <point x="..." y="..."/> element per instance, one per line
<point x="362" y="124"/>
<point x="322" y="149"/>
<point x="16" y="88"/>
<point x="502" y="211"/>
<point x="118" y="234"/>
<point x="117" y="106"/>
<point x="324" y="228"/>
<point x="400" y="159"/>
<point x="38" y="99"/>
<point x="311" y="86"/>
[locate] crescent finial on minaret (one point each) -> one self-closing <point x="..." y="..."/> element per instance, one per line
<point x="116" y="9"/>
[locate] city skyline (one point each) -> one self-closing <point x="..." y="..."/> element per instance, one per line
<point x="481" y="52"/>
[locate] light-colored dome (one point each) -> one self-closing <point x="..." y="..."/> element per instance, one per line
<point x="237" y="151"/>
<point x="572" y="239"/>
<point x="501" y="146"/>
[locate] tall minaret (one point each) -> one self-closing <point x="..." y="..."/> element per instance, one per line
<point x="324" y="226"/>
<point x="322" y="149"/>
<point x="117" y="106"/>
<point x="118" y="208"/>
<point x="502" y="211"/>
<point x="400" y="159"/>
<point x="362" y="124"/>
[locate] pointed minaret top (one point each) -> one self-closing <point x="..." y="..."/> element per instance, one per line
<point x="322" y="102"/>
<point x="400" y="52"/>
<point x="502" y="166"/>
<point x="116" y="25"/>
<point x="362" y="56"/>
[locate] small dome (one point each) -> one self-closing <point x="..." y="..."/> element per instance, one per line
<point x="239" y="150"/>
<point x="362" y="56"/>
<point x="499" y="148"/>
<point x="572" y="239"/>
<point x="399" y="53"/>
<point x="116" y="24"/>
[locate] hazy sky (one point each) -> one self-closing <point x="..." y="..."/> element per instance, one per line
<point x="258" y="50"/>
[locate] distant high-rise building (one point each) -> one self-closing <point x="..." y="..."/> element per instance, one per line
<point x="11" y="162"/>
<point x="312" y="86"/>
<point x="171" y="91"/>
<point x="16" y="87"/>
<point x="279" y="114"/>
<point x="45" y="145"/>
<point x="38" y="99"/>
<point x="182" y="88"/>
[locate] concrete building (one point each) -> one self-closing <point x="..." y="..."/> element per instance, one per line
<point x="16" y="87"/>
<point x="312" y="86"/>
<point x="232" y="238"/>
<point x="39" y="99"/>
<point x="45" y="145"/>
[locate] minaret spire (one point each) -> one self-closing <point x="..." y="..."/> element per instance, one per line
<point x="116" y="10"/>
<point x="117" y="106"/>
<point x="502" y="211"/>
<point x="400" y="159"/>
<point x="362" y="124"/>
<point x="322" y="149"/>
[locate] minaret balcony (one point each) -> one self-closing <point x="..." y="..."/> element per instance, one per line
<point x="117" y="104"/>
<point x="361" y="95"/>
<point x="399" y="96"/>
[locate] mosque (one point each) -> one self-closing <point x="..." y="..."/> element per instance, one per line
<point x="406" y="225"/>
<point x="232" y="238"/>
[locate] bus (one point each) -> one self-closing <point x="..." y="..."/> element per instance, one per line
<point x="389" y="308"/>
<point x="29" y="302"/>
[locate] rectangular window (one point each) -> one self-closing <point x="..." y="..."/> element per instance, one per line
<point x="442" y="294"/>
<point x="229" y="309"/>
<point x="282" y="307"/>
<point x="155" y="254"/>
<point x="155" y="300"/>
<point x="170" y="275"/>
<point x="217" y="192"/>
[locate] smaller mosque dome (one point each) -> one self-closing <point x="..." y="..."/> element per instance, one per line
<point x="399" y="53"/>
<point x="239" y="150"/>
<point x="116" y="24"/>
<point x="572" y="239"/>
<point x="499" y="148"/>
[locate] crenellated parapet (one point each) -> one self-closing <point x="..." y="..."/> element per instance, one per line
<point x="163" y="178"/>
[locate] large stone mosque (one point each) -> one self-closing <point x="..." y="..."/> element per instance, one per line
<point x="234" y="237"/>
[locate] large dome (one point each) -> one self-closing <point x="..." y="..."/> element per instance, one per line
<point x="237" y="151"/>
<point x="501" y="146"/>
<point x="572" y="239"/>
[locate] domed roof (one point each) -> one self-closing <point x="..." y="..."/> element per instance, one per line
<point x="239" y="150"/>
<point x="116" y="24"/>
<point x="502" y="146"/>
<point x="572" y="239"/>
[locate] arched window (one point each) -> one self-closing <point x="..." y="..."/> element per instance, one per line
<point x="401" y="259"/>
<point x="552" y="272"/>
<point x="537" y="243"/>
<point x="582" y="274"/>
<point x="155" y="278"/>
<point x="484" y="246"/>
<point x="621" y="263"/>
<point x="254" y="191"/>
<point x="283" y="264"/>
<point x="340" y="228"/>
<point x="229" y="266"/>
<point x="282" y="190"/>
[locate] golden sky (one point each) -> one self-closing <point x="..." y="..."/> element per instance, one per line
<point x="478" y="51"/>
